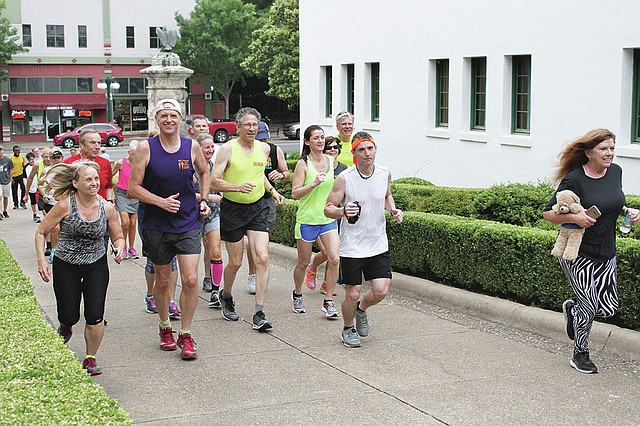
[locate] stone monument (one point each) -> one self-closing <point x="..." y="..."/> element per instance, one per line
<point x="166" y="77"/>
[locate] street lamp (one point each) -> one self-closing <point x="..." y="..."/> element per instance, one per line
<point x="108" y="84"/>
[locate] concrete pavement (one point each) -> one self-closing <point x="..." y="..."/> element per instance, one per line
<point x="426" y="361"/>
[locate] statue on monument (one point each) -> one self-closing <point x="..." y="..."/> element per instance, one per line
<point x="167" y="38"/>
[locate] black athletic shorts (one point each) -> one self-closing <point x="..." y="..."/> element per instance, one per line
<point x="161" y="247"/>
<point x="378" y="266"/>
<point x="236" y="219"/>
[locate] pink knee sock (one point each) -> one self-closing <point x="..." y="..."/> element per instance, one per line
<point x="216" y="271"/>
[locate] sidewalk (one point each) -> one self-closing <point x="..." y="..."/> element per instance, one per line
<point x="421" y="364"/>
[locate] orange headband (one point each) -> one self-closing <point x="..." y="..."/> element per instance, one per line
<point x="357" y="141"/>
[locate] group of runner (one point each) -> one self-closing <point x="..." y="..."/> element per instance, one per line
<point x="232" y="197"/>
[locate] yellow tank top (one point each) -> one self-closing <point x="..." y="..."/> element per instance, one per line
<point x="245" y="168"/>
<point x="345" y="155"/>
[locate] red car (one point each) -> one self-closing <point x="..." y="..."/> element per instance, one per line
<point x="110" y="133"/>
<point x="220" y="130"/>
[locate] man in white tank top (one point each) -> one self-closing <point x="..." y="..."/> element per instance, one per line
<point x="359" y="197"/>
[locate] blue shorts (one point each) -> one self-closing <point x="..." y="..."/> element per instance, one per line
<point x="310" y="233"/>
<point x="150" y="269"/>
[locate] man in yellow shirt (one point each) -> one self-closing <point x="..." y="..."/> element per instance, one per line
<point x="344" y="124"/>
<point x="17" y="178"/>
<point x="238" y="172"/>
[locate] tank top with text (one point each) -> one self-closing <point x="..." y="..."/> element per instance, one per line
<point x="245" y="168"/>
<point x="168" y="173"/>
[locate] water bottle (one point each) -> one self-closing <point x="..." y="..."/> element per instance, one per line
<point x="354" y="219"/>
<point x="625" y="228"/>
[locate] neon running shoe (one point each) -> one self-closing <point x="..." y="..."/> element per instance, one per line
<point x="92" y="368"/>
<point x="310" y="278"/>
<point x="214" y="301"/>
<point x="167" y="343"/>
<point x="323" y="289"/>
<point x="133" y="254"/>
<point x="187" y="346"/>
<point x="174" y="312"/>
<point x="125" y="253"/>
<point x="151" y="304"/>
<point x="51" y="256"/>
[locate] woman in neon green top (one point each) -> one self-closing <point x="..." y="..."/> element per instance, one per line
<point x="312" y="182"/>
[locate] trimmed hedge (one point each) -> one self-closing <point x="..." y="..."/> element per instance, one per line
<point x="497" y="259"/>
<point x="41" y="381"/>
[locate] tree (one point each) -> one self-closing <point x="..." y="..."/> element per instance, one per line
<point x="8" y="40"/>
<point x="215" y="40"/>
<point x="275" y="52"/>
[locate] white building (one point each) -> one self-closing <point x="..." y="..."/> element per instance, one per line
<point x="470" y="93"/>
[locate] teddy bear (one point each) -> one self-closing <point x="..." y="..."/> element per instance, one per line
<point x="570" y="235"/>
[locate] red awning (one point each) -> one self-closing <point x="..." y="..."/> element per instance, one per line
<point x="57" y="101"/>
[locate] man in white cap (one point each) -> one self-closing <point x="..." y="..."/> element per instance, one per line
<point x="162" y="179"/>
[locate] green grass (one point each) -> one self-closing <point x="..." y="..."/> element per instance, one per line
<point x="41" y="381"/>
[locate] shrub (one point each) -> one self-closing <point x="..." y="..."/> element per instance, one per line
<point x="435" y="199"/>
<point x="515" y="203"/>
<point x="413" y="181"/>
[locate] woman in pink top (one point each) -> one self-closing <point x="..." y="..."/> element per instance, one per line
<point x="126" y="207"/>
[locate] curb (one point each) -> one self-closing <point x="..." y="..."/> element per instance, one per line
<point x="605" y="337"/>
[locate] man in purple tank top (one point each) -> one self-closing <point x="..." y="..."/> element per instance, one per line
<point x="162" y="179"/>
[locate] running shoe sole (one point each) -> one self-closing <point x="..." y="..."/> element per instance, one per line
<point x="263" y="326"/>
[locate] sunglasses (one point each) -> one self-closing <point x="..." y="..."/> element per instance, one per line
<point x="332" y="147"/>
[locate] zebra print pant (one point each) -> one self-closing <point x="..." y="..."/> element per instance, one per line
<point x="594" y="284"/>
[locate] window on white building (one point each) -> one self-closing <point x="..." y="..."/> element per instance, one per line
<point x="82" y="36"/>
<point x="131" y="37"/>
<point x="635" y="110"/>
<point x="55" y="35"/>
<point x="328" y="90"/>
<point x="442" y="93"/>
<point x="154" y="43"/>
<point x="374" y="90"/>
<point x="26" y="35"/>
<point x="521" y="94"/>
<point x="350" y="87"/>
<point x="478" y="93"/>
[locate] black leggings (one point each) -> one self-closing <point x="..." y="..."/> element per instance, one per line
<point x="70" y="282"/>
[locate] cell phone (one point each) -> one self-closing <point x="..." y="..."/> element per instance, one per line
<point x="593" y="212"/>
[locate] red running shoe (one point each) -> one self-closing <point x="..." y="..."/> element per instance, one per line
<point x="167" y="343"/>
<point x="92" y="368"/>
<point x="188" y="346"/>
<point x="310" y="278"/>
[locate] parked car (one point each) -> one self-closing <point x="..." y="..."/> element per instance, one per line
<point x="220" y="130"/>
<point x="110" y="133"/>
<point x="292" y="130"/>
